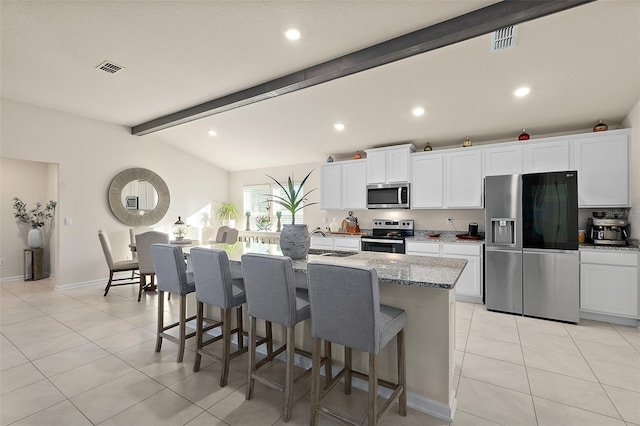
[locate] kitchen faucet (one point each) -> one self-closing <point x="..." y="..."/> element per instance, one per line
<point x="318" y="231"/>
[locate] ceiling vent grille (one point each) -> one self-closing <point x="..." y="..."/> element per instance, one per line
<point x="504" y="38"/>
<point x="109" y="67"/>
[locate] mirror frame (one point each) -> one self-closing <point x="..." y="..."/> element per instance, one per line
<point x="121" y="180"/>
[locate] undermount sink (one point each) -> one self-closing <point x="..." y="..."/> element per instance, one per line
<point x="332" y="253"/>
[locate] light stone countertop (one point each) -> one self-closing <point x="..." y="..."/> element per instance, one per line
<point x="445" y="237"/>
<point x="587" y="246"/>
<point x="420" y="271"/>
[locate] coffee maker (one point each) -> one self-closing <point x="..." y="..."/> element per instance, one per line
<point x="607" y="231"/>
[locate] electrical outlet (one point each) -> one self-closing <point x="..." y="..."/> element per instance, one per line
<point x="3" y="261"/>
<point x="449" y="221"/>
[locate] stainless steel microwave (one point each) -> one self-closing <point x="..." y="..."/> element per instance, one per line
<point x="388" y="196"/>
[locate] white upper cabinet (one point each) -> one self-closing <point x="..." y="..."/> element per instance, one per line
<point x="354" y="185"/>
<point x="463" y="181"/>
<point x="505" y="160"/>
<point x="602" y="161"/>
<point x="343" y="185"/>
<point x="551" y="156"/>
<point x="389" y="164"/>
<point x="331" y="186"/>
<point x="426" y="181"/>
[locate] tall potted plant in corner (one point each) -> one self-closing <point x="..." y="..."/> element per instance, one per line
<point x="294" y="238"/>
<point x="228" y="213"/>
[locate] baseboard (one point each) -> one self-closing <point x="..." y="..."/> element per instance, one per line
<point x="470" y="299"/>
<point x="634" y="322"/>
<point x="16" y="278"/>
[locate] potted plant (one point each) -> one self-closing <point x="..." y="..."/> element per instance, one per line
<point x="228" y="213"/>
<point x="35" y="217"/>
<point x="294" y="238"/>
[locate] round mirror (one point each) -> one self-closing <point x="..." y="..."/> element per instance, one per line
<point x="138" y="197"/>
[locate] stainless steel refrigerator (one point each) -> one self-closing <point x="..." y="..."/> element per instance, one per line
<point x="531" y="237"/>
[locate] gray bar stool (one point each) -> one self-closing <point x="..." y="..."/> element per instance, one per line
<point x="272" y="296"/>
<point x="346" y="309"/>
<point x="172" y="277"/>
<point x="215" y="286"/>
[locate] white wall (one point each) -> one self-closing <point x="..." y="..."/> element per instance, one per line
<point x="633" y="121"/>
<point x="314" y="216"/>
<point x="237" y="180"/>
<point x="89" y="154"/>
<point x="29" y="181"/>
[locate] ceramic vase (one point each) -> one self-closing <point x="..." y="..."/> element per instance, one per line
<point x="295" y="241"/>
<point x="34" y="238"/>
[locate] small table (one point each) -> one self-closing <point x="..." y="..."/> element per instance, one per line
<point x="33" y="264"/>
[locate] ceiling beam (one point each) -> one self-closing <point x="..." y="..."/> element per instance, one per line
<point x="455" y="30"/>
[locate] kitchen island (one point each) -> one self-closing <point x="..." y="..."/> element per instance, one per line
<point x="424" y="288"/>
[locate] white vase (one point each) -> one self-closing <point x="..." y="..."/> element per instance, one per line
<point x="231" y="223"/>
<point x="295" y="241"/>
<point x="34" y="238"/>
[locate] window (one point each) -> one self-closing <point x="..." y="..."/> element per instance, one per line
<point x="256" y="201"/>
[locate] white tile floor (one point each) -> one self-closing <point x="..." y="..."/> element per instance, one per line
<point x="77" y="358"/>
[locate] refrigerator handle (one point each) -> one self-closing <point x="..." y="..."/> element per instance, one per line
<point x="548" y="251"/>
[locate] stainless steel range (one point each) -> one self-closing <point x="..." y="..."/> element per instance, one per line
<point x="388" y="236"/>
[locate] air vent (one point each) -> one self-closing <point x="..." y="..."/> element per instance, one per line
<point x="504" y="38"/>
<point x="109" y="67"/>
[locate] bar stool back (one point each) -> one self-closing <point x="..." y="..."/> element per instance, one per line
<point x="272" y="296"/>
<point x="346" y="309"/>
<point x="172" y="277"/>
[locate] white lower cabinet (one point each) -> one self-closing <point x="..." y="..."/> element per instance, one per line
<point x="609" y="283"/>
<point x="335" y="243"/>
<point x="469" y="287"/>
<point x="423" y="249"/>
<point x="320" y="242"/>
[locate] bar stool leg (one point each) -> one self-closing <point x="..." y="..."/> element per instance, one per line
<point x="348" y="357"/>
<point x="160" y="320"/>
<point x="328" y="366"/>
<point x="183" y="327"/>
<point x="252" y="357"/>
<point x="315" y="381"/>
<point x="226" y="346"/>
<point x="373" y="390"/>
<point x="239" y="333"/>
<point x="199" y="321"/>
<point x="269" y="332"/>
<point x="402" y="374"/>
<point x="288" y="380"/>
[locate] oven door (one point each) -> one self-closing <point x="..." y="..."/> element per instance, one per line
<point x="382" y="245"/>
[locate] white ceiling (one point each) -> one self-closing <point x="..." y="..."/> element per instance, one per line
<point x="581" y="65"/>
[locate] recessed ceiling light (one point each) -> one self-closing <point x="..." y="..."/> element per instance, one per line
<point x="523" y="91"/>
<point x="417" y="111"/>
<point x="292" y="34"/>
<point x="212" y="133"/>
<point x="339" y="127"/>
